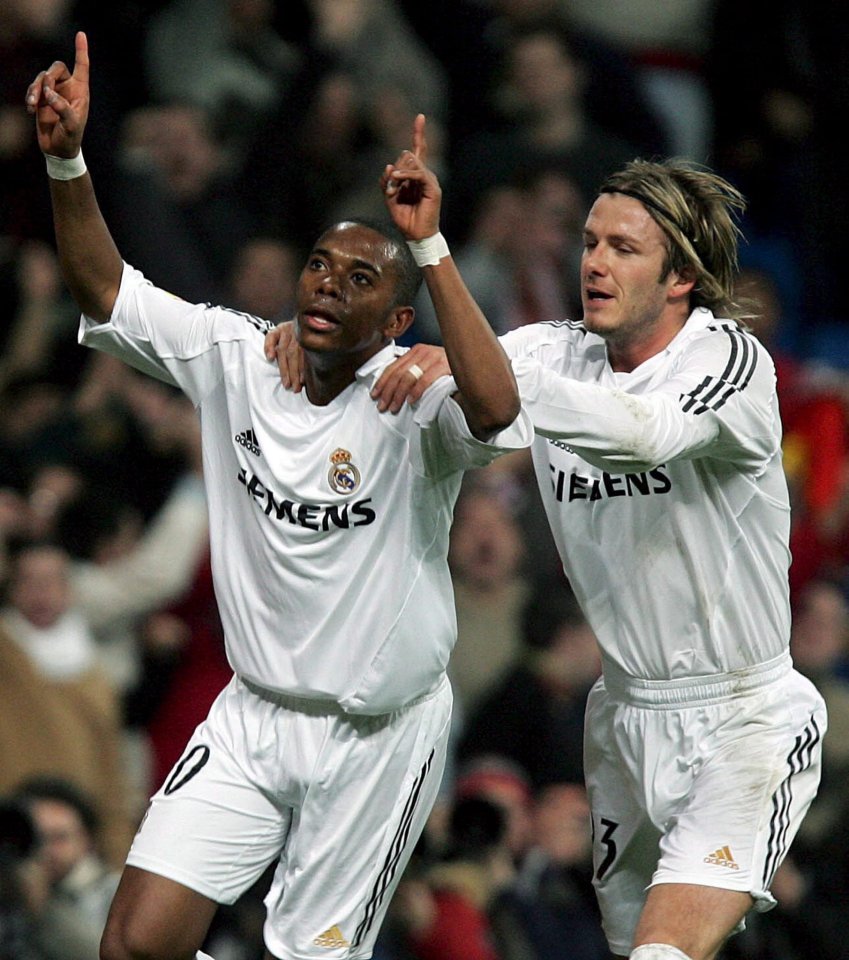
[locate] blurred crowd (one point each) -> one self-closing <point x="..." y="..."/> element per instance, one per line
<point x="224" y="135"/>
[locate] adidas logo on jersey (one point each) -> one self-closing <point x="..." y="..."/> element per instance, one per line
<point x="331" y="938"/>
<point x="247" y="438"/>
<point x="722" y="858"/>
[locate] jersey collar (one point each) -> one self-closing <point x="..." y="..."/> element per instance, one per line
<point x="375" y="364"/>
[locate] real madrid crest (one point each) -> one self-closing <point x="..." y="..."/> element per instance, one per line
<point x="343" y="476"/>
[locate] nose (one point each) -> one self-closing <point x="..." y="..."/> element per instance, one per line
<point x="328" y="284"/>
<point x="594" y="261"/>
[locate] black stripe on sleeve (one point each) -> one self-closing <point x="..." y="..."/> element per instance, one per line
<point x="256" y="322"/>
<point x="712" y="393"/>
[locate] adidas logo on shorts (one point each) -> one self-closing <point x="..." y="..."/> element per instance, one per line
<point x="331" y="938"/>
<point x="722" y="858"/>
<point x="247" y="439"/>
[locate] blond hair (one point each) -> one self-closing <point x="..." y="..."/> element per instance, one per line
<point x="698" y="212"/>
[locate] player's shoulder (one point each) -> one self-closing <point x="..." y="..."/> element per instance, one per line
<point x="238" y="323"/>
<point x="235" y="333"/>
<point x="537" y="339"/>
<point x="726" y="344"/>
<point x="547" y="331"/>
<point x="703" y="324"/>
<point x="216" y="321"/>
<point x="706" y="330"/>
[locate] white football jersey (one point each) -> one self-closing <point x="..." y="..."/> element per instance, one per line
<point x="328" y="524"/>
<point x="665" y="493"/>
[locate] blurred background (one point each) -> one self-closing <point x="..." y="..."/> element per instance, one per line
<point x="224" y="135"/>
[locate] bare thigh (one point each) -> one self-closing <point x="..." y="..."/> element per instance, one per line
<point x="155" y="918"/>
<point x="695" y="919"/>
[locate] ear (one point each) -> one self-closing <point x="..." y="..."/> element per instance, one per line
<point x="399" y="322"/>
<point x="682" y="282"/>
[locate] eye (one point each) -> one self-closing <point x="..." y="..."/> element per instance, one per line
<point x="361" y="278"/>
<point x="316" y="263"/>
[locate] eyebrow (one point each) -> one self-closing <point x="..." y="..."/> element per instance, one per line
<point x="356" y="264"/>
<point x="615" y="238"/>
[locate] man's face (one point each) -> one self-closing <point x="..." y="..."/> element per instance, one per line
<point x="623" y="296"/>
<point x="40" y="590"/>
<point x="64" y="837"/>
<point x="818" y="638"/>
<point x="346" y="294"/>
<point x="486" y="545"/>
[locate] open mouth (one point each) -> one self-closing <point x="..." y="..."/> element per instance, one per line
<point x="595" y="296"/>
<point x="318" y="320"/>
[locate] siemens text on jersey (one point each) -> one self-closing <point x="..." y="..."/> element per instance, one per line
<point x="313" y="516"/>
<point x="573" y="486"/>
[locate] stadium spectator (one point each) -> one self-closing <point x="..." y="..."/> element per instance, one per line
<point x="534" y="714"/>
<point x="464" y="885"/>
<point x="239" y="64"/>
<point x="520" y="253"/>
<point x="486" y="556"/>
<point x="815" y="442"/>
<point x="551" y="896"/>
<point x="544" y="123"/>
<point x="61" y="715"/>
<point x="667" y="46"/>
<point x="174" y="188"/>
<point x="263" y="278"/>
<point x="68" y="827"/>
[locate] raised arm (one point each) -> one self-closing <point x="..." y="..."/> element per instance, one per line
<point x="90" y="262"/>
<point x="487" y="389"/>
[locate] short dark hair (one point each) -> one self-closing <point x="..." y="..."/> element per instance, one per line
<point x="45" y="787"/>
<point x="697" y="211"/>
<point x="409" y="278"/>
<point x="18" y="837"/>
<point x="476" y="826"/>
<point x="93" y="516"/>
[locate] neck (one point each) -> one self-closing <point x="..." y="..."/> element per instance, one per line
<point x="624" y="358"/>
<point x="633" y="348"/>
<point x="326" y="375"/>
<point x="324" y="384"/>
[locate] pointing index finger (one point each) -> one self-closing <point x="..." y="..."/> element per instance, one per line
<point x="81" y="57"/>
<point x="419" y="139"/>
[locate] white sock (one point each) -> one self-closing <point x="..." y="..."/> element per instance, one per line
<point x="202" y="956"/>
<point x="658" y="951"/>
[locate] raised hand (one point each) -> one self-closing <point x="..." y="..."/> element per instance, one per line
<point x="412" y="192"/>
<point x="59" y="99"/>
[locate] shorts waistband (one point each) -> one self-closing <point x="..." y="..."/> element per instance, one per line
<point x="694" y="691"/>
<point x="315" y="707"/>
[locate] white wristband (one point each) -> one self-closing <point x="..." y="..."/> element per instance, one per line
<point x="428" y="252"/>
<point x="64" y="168"/>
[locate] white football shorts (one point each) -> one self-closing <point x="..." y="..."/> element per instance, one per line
<point x="701" y="781"/>
<point x="340" y="799"/>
